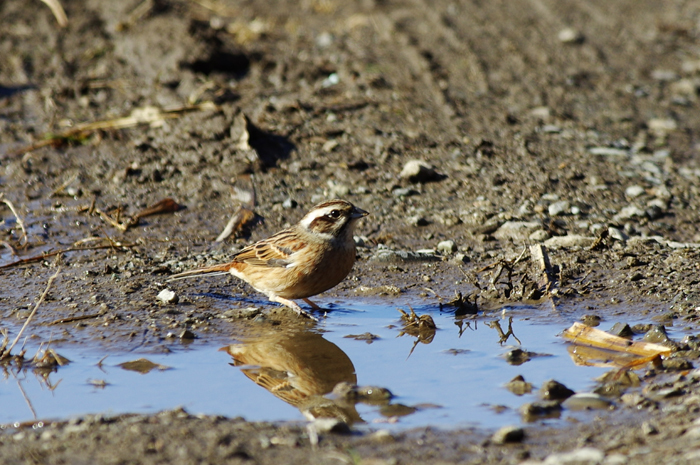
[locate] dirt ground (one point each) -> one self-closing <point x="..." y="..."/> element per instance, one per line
<point x="572" y="124"/>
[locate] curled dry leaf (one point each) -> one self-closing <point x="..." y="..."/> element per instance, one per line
<point x="166" y="205"/>
<point x="594" y="347"/>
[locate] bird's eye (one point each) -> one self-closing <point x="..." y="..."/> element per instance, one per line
<point x="334" y="214"/>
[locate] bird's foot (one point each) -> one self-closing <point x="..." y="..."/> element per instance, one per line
<point x="313" y="305"/>
<point x="294" y="306"/>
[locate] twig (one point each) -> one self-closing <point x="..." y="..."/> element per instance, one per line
<point x="26" y="398"/>
<point x="245" y="213"/>
<point x="9" y="246"/>
<point x="36" y="307"/>
<point x="59" y="190"/>
<point x="120" y="226"/>
<point x="144" y="115"/>
<point x="240" y="218"/>
<point x="38" y="258"/>
<point x="75" y="318"/>
<point x="24" y="237"/>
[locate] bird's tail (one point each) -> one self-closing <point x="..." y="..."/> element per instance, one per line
<point x="213" y="270"/>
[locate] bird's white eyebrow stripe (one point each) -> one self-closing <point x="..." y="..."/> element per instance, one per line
<point x="306" y="222"/>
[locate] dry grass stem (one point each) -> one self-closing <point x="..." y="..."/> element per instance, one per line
<point x="37" y="258"/>
<point x="58" y="12"/>
<point x="36" y="307"/>
<point x="152" y="116"/>
<point x="24" y="239"/>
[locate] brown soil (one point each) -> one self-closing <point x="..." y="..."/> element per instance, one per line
<point x="517" y="106"/>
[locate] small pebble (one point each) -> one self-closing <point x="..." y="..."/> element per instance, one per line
<point x="167" y="296"/>
<point x="447" y="247"/>
<point x="187" y="334"/>
<point x="519" y="386"/>
<point x="587" y="401"/>
<point x="591" y="320"/>
<point x="661" y="127"/>
<point x="608" y="152"/>
<point x="622" y="330"/>
<point x="544" y="408"/>
<point x="570" y="241"/>
<point x="419" y="171"/>
<point x="654" y="212"/>
<point x="657" y="334"/>
<point x="516" y="230"/>
<point x="508" y="434"/>
<point x="417" y="220"/>
<point x="649" y="429"/>
<point x="539" y="236"/>
<point x="559" y="208"/>
<point x="630" y="211"/>
<point x="664" y="75"/>
<point x="582" y="456"/>
<point x="404" y="192"/>
<point x="570" y="36"/>
<point x="677" y="364"/>
<point x="634" y="191"/>
<point x="554" y="390"/>
<point x="382" y="436"/>
<point x="617" y="234"/>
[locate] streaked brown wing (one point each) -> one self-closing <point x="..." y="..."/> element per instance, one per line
<point x="270" y="251"/>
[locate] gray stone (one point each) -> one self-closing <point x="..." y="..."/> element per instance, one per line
<point x="587" y="401"/>
<point x="617" y="234"/>
<point x="559" y="208"/>
<point x="388" y="255"/>
<point x="608" y="152"/>
<point x="404" y="192"/>
<point x="628" y="212"/>
<point x="516" y="230"/>
<point x="539" y="236"/>
<point x="582" y="456"/>
<point x="572" y="240"/>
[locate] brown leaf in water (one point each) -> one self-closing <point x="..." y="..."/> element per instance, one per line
<point x="142" y="366"/>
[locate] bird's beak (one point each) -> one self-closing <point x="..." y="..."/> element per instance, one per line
<point x="358" y="213"/>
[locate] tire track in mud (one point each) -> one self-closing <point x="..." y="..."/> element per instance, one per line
<point x="413" y="67"/>
<point x="471" y="55"/>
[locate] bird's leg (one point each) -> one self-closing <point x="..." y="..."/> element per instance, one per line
<point x="293" y="305"/>
<point x="313" y="305"/>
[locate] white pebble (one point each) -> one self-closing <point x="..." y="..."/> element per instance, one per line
<point x="559" y="208"/>
<point x="447" y="247"/>
<point x="167" y="296"/>
<point x="634" y="191"/>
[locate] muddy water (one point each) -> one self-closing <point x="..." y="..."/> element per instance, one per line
<point x="452" y="377"/>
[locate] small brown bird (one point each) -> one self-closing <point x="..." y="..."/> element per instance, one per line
<point x="312" y="256"/>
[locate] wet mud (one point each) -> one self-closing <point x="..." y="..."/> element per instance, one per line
<point x="541" y="154"/>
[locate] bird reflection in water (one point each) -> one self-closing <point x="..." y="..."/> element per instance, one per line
<point x="300" y="367"/>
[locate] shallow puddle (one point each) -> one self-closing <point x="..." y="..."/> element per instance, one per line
<point x="454" y="378"/>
